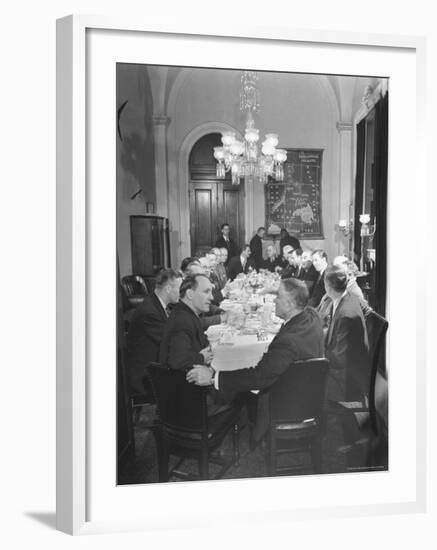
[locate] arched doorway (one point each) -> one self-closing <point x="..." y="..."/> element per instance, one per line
<point x="212" y="201"/>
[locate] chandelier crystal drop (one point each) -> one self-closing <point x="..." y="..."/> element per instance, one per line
<point x="246" y="158"/>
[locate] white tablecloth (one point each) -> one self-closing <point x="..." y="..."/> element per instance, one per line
<point x="245" y="351"/>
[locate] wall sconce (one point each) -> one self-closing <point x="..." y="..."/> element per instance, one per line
<point x="367" y="230"/>
<point x="344" y="227"/>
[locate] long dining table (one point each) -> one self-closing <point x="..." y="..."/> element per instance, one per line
<point x="251" y="322"/>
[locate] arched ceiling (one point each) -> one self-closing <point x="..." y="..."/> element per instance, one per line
<point x="345" y="91"/>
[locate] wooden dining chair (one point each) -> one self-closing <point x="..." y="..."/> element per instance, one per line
<point x="184" y="427"/>
<point x="370" y="422"/>
<point x="297" y="403"/>
<point x="135" y="289"/>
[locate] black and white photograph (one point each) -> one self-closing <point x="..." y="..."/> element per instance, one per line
<point x="252" y="260"/>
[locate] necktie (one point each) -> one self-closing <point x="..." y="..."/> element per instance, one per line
<point x="330" y="323"/>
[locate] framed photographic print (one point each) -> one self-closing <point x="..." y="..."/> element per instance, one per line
<point x="175" y="144"/>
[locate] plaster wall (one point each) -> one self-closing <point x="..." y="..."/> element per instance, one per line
<point x="301" y="108"/>
<point x="135" y="154"/>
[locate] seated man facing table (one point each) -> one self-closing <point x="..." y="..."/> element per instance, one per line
<point x="272" y="261"/>
<point x="286" y="251"/>
<point x="287" y="239"/>
<point x="287" y="265"/>
<point x="309" y="274"/>
<point x="297" y="263"/>
<point x="320" y="263"/>
<point x="219" y="270"/>
<point x="184" y="343"/>
<point x="300" y="337"/>
<point x="147" y="326"/>
<point x="240" y="264"/>
<point x="215" y="314"/>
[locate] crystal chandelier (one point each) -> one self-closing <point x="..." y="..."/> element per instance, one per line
<point x="244" y="158"/>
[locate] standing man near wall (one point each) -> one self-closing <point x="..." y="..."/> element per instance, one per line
<point x="225" y="241"/>
<point x="256" y="247"/>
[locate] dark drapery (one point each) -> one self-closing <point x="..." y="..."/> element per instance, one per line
<point x="381" y="164"/>
<point x="359" y="185"/>
<point x="378" y="207"/>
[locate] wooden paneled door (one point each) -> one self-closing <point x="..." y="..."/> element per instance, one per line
<point x="211" y="205"/>
<point x="212" y="201"/>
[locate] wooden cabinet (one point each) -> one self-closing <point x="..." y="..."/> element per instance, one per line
<point x="149" y="244"/>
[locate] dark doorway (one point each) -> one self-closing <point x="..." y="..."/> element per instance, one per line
<point x="212" y="201"/>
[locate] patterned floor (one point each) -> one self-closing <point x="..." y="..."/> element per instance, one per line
<point x="252" y="462"/>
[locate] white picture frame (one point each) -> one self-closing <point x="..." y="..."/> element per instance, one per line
<point x="78" y="340"/>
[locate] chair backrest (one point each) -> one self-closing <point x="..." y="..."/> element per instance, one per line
<point x="134" y="285"/>
<point x="299" y="393"/>
<point x="376" y="329"/>
<point x="181" y="405"/>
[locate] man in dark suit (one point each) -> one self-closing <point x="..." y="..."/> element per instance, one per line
<point x="215" y="315"/>
<point x="256" y="247"/>
<point x="346" y="341"/>
<point x="320" y="263"/>
<point x="147" y="326"/>
<point x="240" y="264"/>
<point x="346" y="347"/>
<point x="288" y="267"/>
<point x="309" y="274"/>
<point x="184" y="342"/>
<point x="273" y="261"/>
<point x="286" y="239"/>
<point x="300" y="337"/>
<point x="225" y="241"/>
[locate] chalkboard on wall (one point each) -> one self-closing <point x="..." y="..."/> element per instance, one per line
<point x="296" y="203"/>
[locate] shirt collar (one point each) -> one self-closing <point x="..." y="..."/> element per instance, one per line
<point x="164" y="306"/>
<point x="286" y="321"/>
<point x="337" y="301"/>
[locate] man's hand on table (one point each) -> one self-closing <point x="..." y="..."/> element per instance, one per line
<point x="200" y="375"/>
<point x="207" y="355"/>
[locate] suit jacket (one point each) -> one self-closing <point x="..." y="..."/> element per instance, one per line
<point x="218" y="276"/>
<point x="348" y="352"/>
<point x="256" y="250"/>
<point x="235" y="267"/>
<point x="230" y="245"/>
<point x="271" y="265"/>
<point x="143" y="339"/>
<point x="292" y="271"/>
<point x="183" y="339"/>
<point x="300" y="338"/>
<point x="310" y="274"/>
<point x="217" y="295"/>
<point x="318" y="291"/>
<point x="324" y="308"/>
